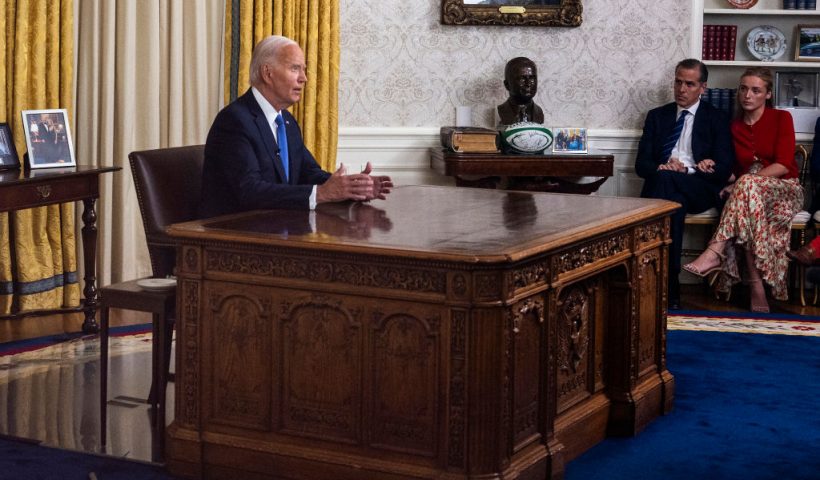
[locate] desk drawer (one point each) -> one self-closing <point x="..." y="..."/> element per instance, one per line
<point x="49" y="191"/>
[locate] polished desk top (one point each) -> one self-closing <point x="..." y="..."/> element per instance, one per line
<point x="444" y="223"/>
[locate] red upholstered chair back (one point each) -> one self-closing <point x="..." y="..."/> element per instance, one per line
<point x="168" y="183"/>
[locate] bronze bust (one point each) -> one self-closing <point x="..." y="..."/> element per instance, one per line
<point x="521" y="80"/>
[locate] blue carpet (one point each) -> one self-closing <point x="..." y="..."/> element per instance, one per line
<point x="21" y="460"/>
<point x="746" y="407"/>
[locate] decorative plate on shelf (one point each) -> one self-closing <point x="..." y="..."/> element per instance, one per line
<point x="742" y="3"/>
<point x="766" y="43"/>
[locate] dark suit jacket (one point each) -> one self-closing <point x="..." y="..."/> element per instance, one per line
<point x="242" y="170"/>
<point x="711" y="138"/>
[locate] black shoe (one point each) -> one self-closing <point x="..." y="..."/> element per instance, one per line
<point x="674" y="304"/>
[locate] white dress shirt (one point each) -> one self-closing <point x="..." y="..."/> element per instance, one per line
<point x="683" y="149"/>
<point x="270" y="116"/>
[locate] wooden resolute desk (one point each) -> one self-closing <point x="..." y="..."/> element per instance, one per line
<point x="443" y="333"/>
<point x="540" y="173"/>
<point x="20" y="189"/>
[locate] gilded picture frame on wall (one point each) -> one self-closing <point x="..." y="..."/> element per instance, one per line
<point x="549" y="13"/>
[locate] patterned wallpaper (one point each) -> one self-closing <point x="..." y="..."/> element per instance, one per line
<point x="401" y="68"/>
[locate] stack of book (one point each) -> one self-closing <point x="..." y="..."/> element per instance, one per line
<point x="719" y="42"/>
<point x="800" y="4"/>
<point x="721" y="98"/>
<point x="469" y="139"/>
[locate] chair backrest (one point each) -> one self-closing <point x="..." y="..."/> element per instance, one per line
<point x="168" y="183"/>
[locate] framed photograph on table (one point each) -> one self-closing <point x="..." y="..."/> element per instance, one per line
<point x="569" y="140"/>
<point x="8" y="153"/>
<point x="48" y="138"/>
<point x="807" y="46"/>
<point x="795" y="89"/>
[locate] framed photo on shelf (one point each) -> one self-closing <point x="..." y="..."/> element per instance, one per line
<point x="808" y="43"/>
<point x="8" y="153"/>
<point x="48" y="138"/>
<point x="569" y="140"/>
<point x="795" y="89"/>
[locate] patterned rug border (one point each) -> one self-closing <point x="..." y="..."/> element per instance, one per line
<point x="31" y="344"/>
<point x="741" y="322"/>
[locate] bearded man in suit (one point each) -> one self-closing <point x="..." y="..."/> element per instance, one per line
<point x="685" y="155"/>
<point x="248" y="165"/>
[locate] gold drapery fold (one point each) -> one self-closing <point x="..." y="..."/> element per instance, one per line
<point x="314" y="25"/>
<point x="38" y="264"/>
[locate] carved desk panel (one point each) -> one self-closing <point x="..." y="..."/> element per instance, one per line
<point x="442" y="333"/>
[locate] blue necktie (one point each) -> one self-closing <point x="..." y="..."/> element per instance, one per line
<point x="669" y="145"/>
<point x="282" y="139"/>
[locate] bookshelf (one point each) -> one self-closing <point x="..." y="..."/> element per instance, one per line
<point x="724" y="73"/>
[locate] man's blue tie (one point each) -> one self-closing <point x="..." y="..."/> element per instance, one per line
<point x="673" y="137"/>
<point x="282" y="139"/>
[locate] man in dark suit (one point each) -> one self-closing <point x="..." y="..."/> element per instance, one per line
<point x="248" y="165"/>
<point x="685" y="155"/>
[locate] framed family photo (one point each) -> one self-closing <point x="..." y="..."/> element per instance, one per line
<point x="795" y="89"/>
<point x="570" y="140"/>
<point x="48" y="138"/>
<point x="807" y="46"/>
<point x="8" y="153"/>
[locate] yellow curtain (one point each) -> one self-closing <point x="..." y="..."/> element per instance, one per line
<point x="314" y="25"/>
<point x="38" y="264"/>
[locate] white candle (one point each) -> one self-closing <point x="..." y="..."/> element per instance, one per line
<point x="464" y="116"/>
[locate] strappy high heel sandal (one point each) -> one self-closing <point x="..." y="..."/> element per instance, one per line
<point x="691" y="268"/>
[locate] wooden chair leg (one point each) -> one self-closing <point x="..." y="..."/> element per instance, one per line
<point x="103" y="375"/>
<point x="801" y="283"/>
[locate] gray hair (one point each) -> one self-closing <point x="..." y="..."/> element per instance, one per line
<point x="264" y="52"/>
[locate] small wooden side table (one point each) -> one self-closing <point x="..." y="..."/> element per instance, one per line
<point x="535" y="173"/>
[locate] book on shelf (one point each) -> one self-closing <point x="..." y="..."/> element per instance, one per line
<point x="470" y="139"/>
<point x="719" y="42"/>
<point x="721" y="98"/>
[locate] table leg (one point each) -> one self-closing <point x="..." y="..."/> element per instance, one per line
<point x="89" y="234"/>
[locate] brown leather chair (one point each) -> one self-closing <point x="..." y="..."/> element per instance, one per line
<point x="168" y="182"/>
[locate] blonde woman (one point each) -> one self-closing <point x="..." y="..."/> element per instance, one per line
<point x="756" y="221"/>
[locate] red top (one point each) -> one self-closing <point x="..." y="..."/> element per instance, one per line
<point x="771" y="140"/>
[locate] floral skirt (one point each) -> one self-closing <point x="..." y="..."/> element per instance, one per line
<point x="758" y="216"/>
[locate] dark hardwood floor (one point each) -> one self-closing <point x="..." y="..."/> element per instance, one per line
<point x="698" y="297"/>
